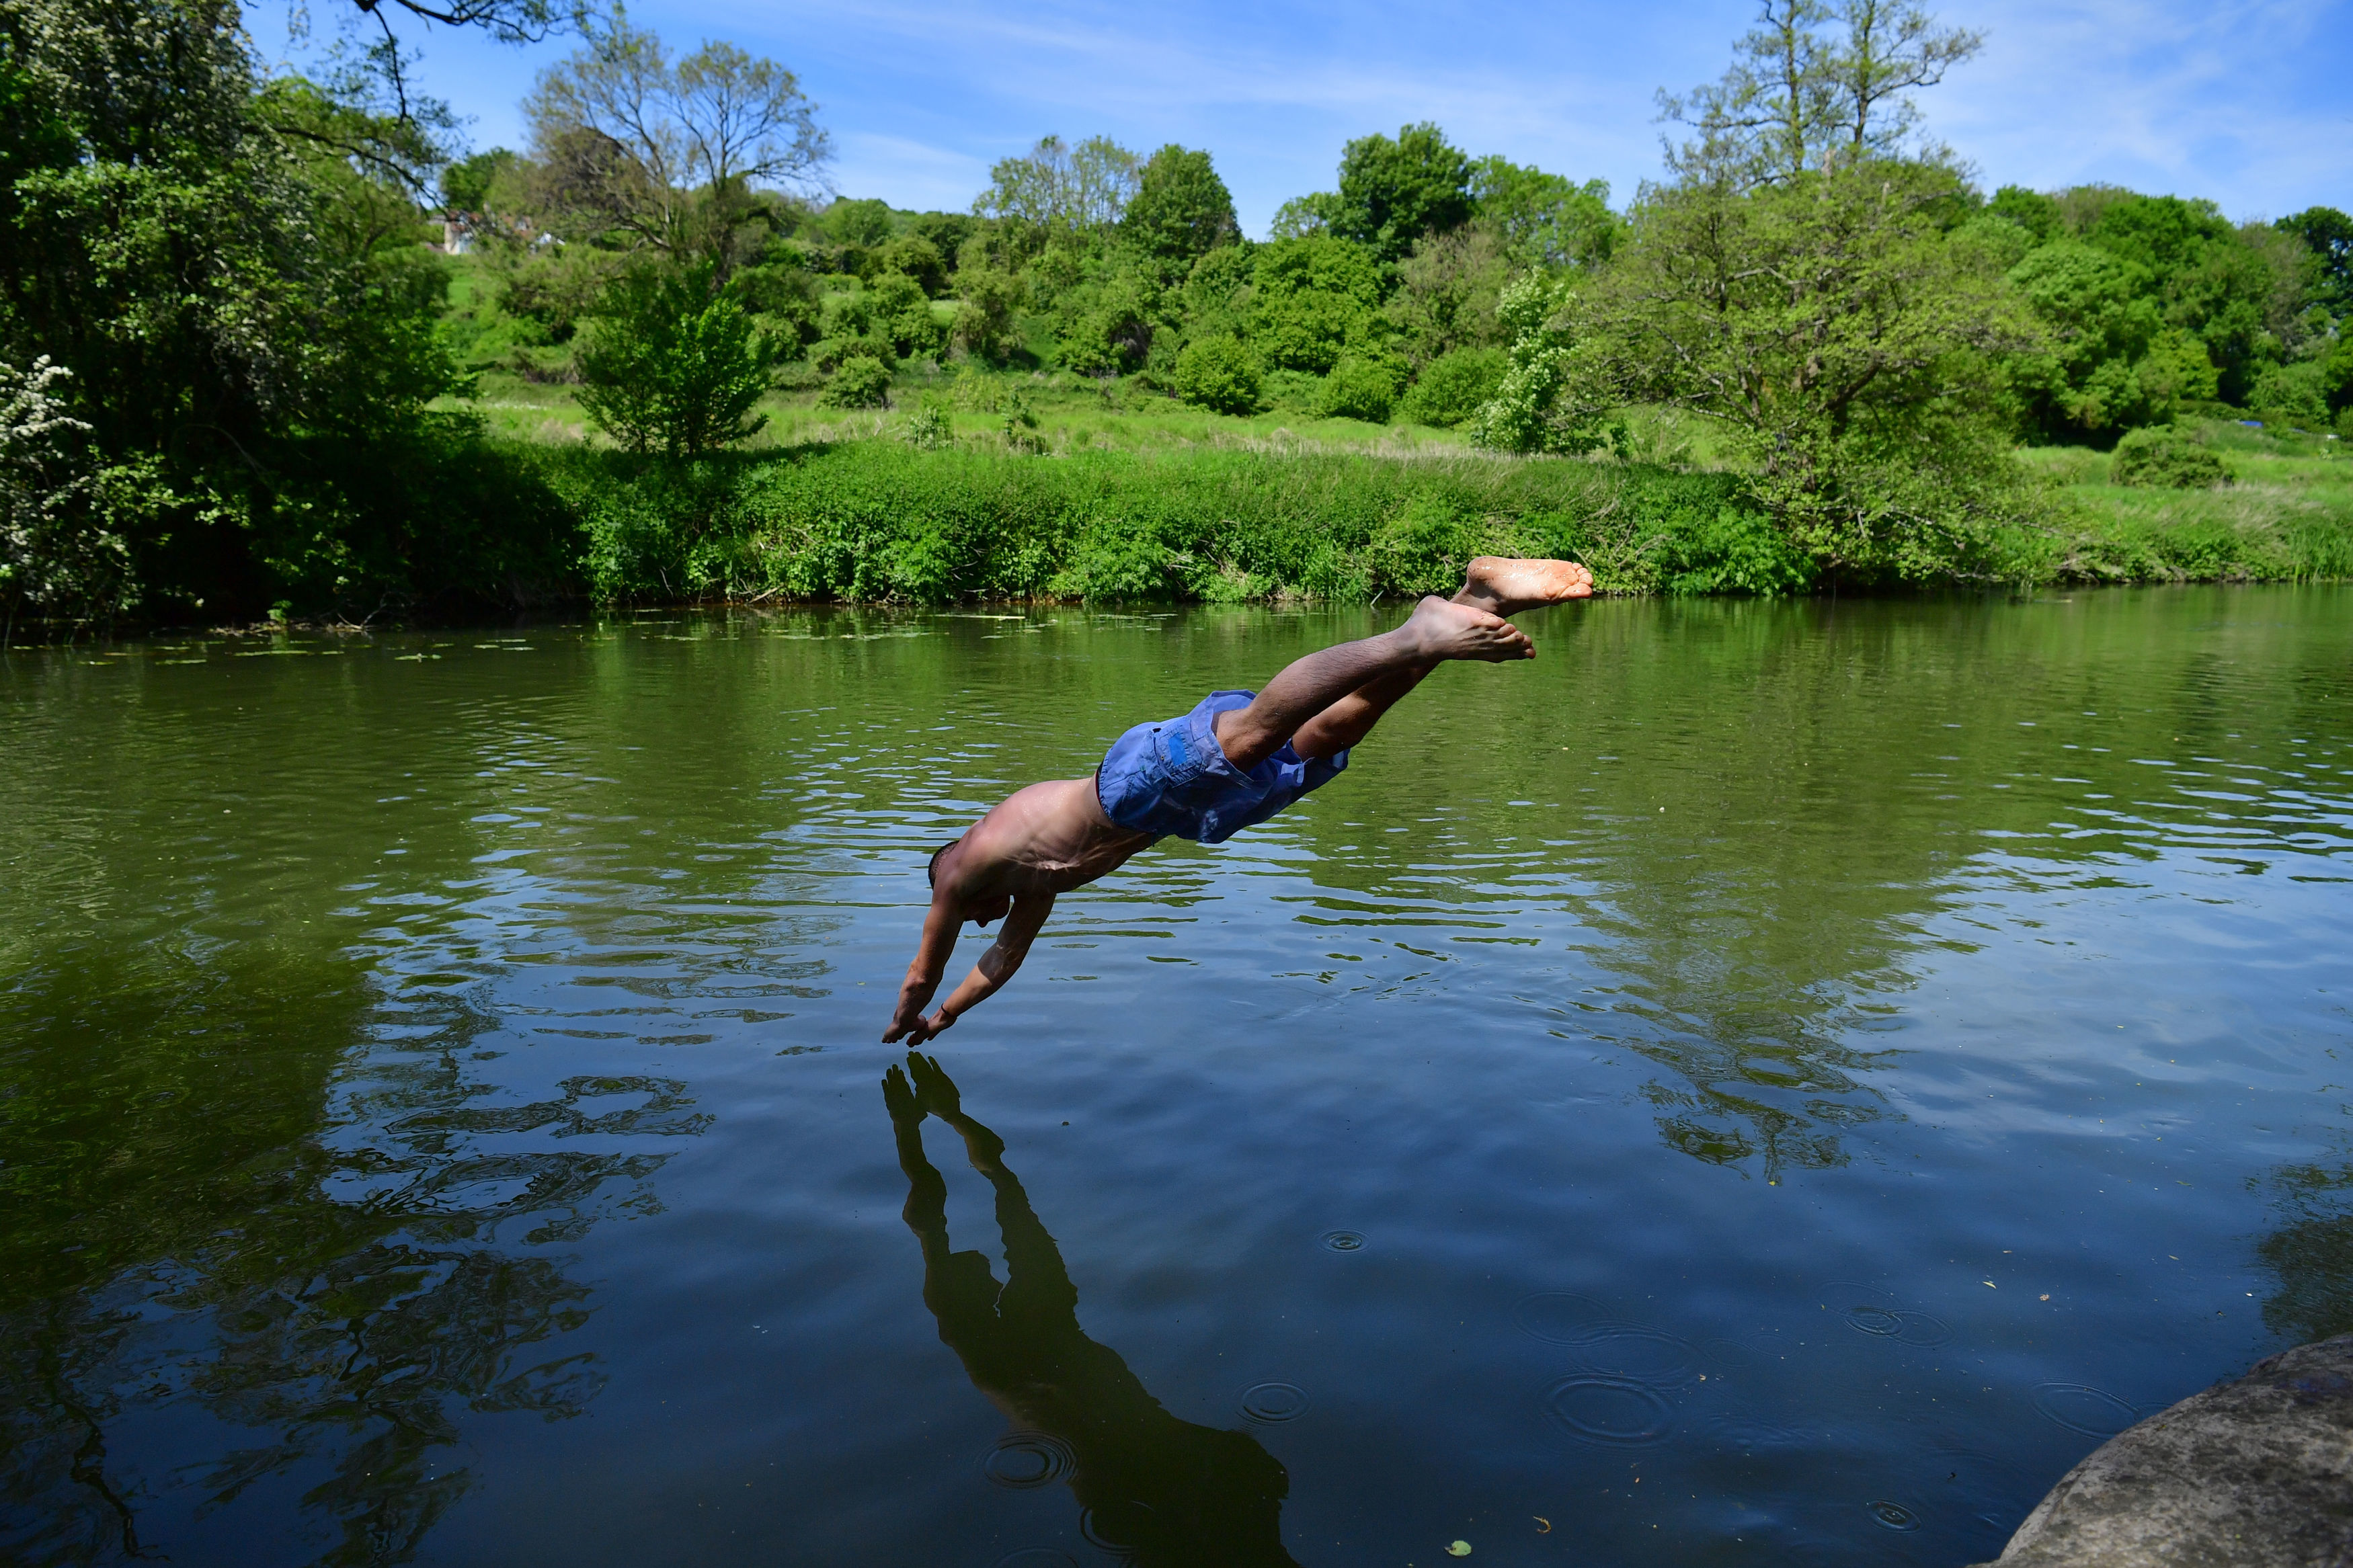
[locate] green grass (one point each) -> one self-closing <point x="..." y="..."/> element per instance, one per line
<point x="2286" y="515"/>
<point x="1072" y="413"/>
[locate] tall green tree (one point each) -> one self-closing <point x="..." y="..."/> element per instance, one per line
<point x="1816" y="81"/>
<point x="2110" y="363"/>
<point x="1394" y="192"/>
<point x="670" y="365"/>
<point x="668" y="154"/>
<point x="1181" y="210"/>
<point x="1315" y="297"/>
<point x="2328" y="234"/>
<point x="1060" y="191"/>
<point x="233" y="279"/>
<point x="1845" y="344"/>
<point x="1448" y="290"/>
<point x="1547" y="219"/>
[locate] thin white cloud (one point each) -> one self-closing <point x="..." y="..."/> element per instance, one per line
<point x="915" y="173"/>
<point x="2241" y="104"/>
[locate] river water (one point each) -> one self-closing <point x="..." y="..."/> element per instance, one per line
<point x="1763" y="1083"/>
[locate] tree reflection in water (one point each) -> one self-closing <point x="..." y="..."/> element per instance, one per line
<point x="233" y="1254"/>
<point x="2312" y="1254"/>
<point x="1154" y="1489"/>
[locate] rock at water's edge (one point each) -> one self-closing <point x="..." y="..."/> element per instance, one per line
<point x="2257" y="1473"/>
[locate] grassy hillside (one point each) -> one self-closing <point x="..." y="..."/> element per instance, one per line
<point x="984" y="482"/>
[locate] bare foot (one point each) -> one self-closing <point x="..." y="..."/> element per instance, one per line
<point x="1441" y="628"/>
<point x="1507" y="587"/>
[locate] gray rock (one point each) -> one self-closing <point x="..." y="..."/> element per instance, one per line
<point x="2257" y="1473"/>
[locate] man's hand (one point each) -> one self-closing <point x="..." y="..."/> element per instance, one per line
<point x="908" y="1020"/>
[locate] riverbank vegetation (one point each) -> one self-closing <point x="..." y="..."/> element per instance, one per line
<point x="271" y="347"/>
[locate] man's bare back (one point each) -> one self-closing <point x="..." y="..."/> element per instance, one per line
<point x="1226" y="765"/>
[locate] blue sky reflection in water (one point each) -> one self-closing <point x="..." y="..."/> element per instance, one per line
<point x="1763" y="1083"/>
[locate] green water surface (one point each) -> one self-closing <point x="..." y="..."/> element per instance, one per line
<point x="1763" y="1083"/>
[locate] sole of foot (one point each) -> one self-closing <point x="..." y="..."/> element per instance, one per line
<point x="1507" y="586"/>
<point x="1445" y="629"/>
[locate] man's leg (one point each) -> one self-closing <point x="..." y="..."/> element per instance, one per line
<point x="1438" y="629"/>
<point x="1499" y="586"/>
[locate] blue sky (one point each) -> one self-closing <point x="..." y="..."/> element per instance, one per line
<point x="2246" y="103"/>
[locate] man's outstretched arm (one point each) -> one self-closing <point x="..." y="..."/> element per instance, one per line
<point x="996" y="966"/>
<point x="931" y="961"/>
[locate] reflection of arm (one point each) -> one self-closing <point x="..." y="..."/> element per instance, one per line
<point x="1036" y="1277"/>
<point x="926" y="1209"/>
<point x="996" y="965"/>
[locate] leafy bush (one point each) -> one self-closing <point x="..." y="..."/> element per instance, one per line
<point x="929" y="427"/>
<point x="881" y="521"/>
<point x="1115" y="557"/>
<point x="1218" y="373"/>
<point x="918" y="258"/>
<point x="1539" y="405"/>
<point x="2294" y="395"/>
<point x="785" y="295"/>
<point x="2160" y="456"/>
<point x="1453" y="387"/>
<point x="1730" y="549"/>
<point x="1421" y="550"/>
<point x="988" y="319"/>
<point x="1360" y="388"/>
<point x="1291" y="391"/>
<point x="862" y="381"/>
<point x="898" y="309"/>
<point x="668" y="367"/>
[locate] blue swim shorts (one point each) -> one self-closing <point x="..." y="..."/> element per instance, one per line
<point x="1172" y="777"/>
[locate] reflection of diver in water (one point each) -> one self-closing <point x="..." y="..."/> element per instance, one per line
<point x="1172" y="1494"/>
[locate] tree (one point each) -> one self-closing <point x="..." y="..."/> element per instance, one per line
<point x="1219" y="373"/>
<point x="232" y="276"/>
<point x="1547" y="220"/>
<point x="670" y="365"/>
<point x="2202" y="275"/>
<point x="2329" y="234"/>
<point x="1547" y="399"/>
<point x="668" y="155"/>
<point x="1891" y="46"/>
<point x="508" y="21"/>
<point x="1314" y="298"/>
<point x="56" y="558"/>
<point x="1844" y="343"/>
<point x="916" y="257"/>
<point x="2109" y="362"/>
<point x="1302" y="216"/>
<point x="1799" y="96"/>
<point x="1447" y="289"/>
<point x="1181" y="210"/>
<point x="466" y="184"/>
<point x="863" y="222"/>
<point x="1056" y="189"/>
<point x="988" y="319"/>
<point x="1394" y="192"/>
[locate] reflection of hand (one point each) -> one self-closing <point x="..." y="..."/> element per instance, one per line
<point x="899" y="1096"/>
<point x="934" y="1090"/>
